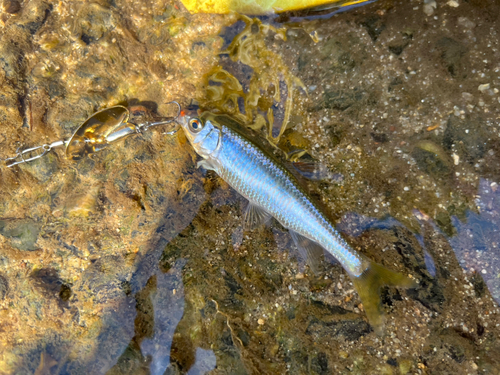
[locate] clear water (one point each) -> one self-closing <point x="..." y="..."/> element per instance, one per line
<point x="132" y="261"/>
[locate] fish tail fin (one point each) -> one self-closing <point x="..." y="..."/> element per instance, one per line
<point x="368" y="286"/>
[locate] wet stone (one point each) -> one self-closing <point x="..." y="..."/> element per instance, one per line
<point x="10" y="58"/>
<point x="349" y="330"/>
<point x="4" y="287"/>
<point x="44" y="168"/>
<point x="23" y="233"/>
<point x="48" y="280"/>
<point x="11" y="6"/>
<point x="392" y="361"/>
<point x="395" y="82"/>
<point x="402" y="41"/>
<point x="443" y="219"/>
<point x="479" y="285"/>
<point x="452" y="54"/>
<point x="432" y="159"/>
<point x="430" y="292"/>
<point x="65" y="293"/>
<point x="379" y="137"/>
<point x="468" y="137"/>
<point x="319" y="364"/>
<point x="85" y="166"/>
<point x="374" y="26"/>
<point x="336" y="133"/>
<point x="340" y="60"/>
<point x="340" y="99"/>
<point x="95" y="22"/>
<point x="37" y="14"/>
<point x="55" y="89"/>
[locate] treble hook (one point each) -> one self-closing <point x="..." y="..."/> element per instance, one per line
<point x="148" y="125"/>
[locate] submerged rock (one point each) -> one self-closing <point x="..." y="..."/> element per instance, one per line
<point x="468" y="137"/>
<point x="4" y="287"/>
<point x="432" y="159"/>
<point x="452" y="56"/>
<point x="23" y="233"/>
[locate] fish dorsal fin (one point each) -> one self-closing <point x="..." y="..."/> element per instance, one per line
<point x="311" y="170"/>
<point x="255" y="216"/>
<point x="301" y="162"/>
<point x="309" y="250"/>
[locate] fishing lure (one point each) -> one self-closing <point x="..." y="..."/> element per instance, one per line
<point x="273" y="191"/>
<point x="100" y="130"/>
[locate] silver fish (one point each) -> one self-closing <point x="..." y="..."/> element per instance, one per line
<point x="273" y="191"/>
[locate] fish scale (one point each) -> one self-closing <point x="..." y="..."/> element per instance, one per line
<point x="273" y="191"/>
<point x="264" y="183"/>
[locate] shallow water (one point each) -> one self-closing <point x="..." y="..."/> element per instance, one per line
<point x="132" y="261"/>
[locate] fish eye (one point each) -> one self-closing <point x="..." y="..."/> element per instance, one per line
<point x="195" y="125"/>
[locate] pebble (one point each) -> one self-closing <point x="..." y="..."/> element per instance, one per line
<point x="484" y="87"/>
<point x="452" y="3"/>
<point x="429" y="7"/>
<point x="261" y="321"/>
<point x="466" y="23"/>
<point x="467" y="96"/>
<point x="343" y="354"/>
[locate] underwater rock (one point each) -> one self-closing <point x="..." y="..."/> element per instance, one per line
<point x="11" y="6"/>
<point x="48" y="281"/>
<point x="430" y="291"/>
<point x="35" y="15"/>
<point x="23" y="233"/>
<point x="374" y="26"/>
<point x="350" y="330"/>
<point x="4" y="287"/>
<point x="340" y="99"/>
<point x="432" y="159"/>
<point x="402" y="41"/>
<point x="336" y="133"/>
<point x="44" y="168"/>
<point x="95" y="22"/>
<point x="334" y="54"/>
<point x="452" y="53"/>
<point x="10" y="59"/>
<point x="468" y="137"/>
<point x="319" y="364"/>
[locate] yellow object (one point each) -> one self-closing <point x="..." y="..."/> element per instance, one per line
<point x="255" y="7"/>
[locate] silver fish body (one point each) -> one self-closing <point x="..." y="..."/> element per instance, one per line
<point x="273" y="190"/>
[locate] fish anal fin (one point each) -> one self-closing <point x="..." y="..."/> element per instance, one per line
<point x="368" y="286"/>
<point x="309" y="250"/>
<point x="255" y="216"/>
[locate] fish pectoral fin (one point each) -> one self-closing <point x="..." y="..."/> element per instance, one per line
<point x="312" y="252"/>
<point x="205" y="164"/>
<point x="255" y="216"/>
